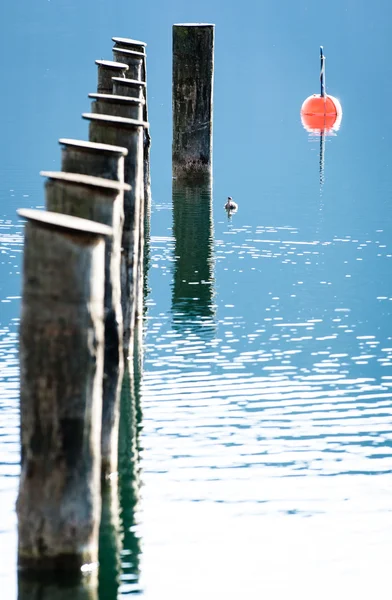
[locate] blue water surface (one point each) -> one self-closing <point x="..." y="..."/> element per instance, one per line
<point x="256" y="453"/>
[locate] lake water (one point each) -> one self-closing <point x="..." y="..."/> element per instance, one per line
<point x="256" y="453"/>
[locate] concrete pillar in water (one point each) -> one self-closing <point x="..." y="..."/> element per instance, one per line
<point x="117" y="106"/>
<point x="99" y="160"/>
<point x="100" y="200"/>
<point x="106" y="70"/>
<point x="128" y="133"/>
<point x="61" y="370"/>
<point x="193" y="71"/>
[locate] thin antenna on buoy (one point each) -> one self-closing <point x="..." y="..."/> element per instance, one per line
<point x="323" y="93"/>
<point x="321" y="115"/>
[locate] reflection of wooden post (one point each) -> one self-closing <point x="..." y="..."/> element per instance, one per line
<point x="129" y="469"/>
<point x="61" y="369"/>
<point x="79" y="587"/>
<point x="193" y="70"/>
<point x="99" y="160"/>
<point x="106" y="70"/>
<point x="100" y="200"/>
<point x="117" y="106"/>
<point x="128" y="133"/>
<point x="193" y="277"/>
<point x="110" y="542"/>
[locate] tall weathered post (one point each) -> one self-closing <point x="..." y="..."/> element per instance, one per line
<point x="128" y="51"/>
<point x="129" y="44"/>
<point x="129" y="87"/>
<point x="117" y="106"/>
<point x="133" y="54"/>
<point x="128" y="133"/>
<point x="106" y="70"/>
<point x="133" y="59"/>
<point x="87" y="158"/>
<point x="100" y="200"/>
<point x="193" y="72"/>
<point x="61" y="369"/>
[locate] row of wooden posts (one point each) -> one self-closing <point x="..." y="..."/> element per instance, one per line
<point x="82" y="296"/>
<point x="81" y="309"/>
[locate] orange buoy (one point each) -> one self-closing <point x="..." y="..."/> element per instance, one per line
<point x="321" y="113"/>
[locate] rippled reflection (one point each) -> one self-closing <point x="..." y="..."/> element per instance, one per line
<point x="129" y="485"/>
<point x="193" y="278"/>
<point x="56" y="587"/>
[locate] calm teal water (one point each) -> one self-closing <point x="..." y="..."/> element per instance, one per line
<point x="256" y="451"/>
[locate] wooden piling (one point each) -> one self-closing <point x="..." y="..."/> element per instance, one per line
<point x="133" y="53"/>
<point x="126" y="50"/>
<point x="128" y="133"/>
<point x="87" y="158"/>
<point x="61" y="369"/>
<point x="133" y="59"/>
<point x="117" y="106"/>
<point x="132" y="88"/>
<point x="193" y="70"/>
<point x="100" y="200"/>
<point x="106" y="70"/>
<point x="129" y="44"/>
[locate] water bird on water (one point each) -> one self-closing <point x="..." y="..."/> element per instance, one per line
<point x="230" y="204"/>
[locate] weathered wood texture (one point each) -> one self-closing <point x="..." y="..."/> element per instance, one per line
<point x="130" y="51"/>
<point x="106" y="70"/>
<point x="100" y="200"/>
<point x="99" y="160"/>
<point x="117" y="106"/>
<point x="128" y="133"/>
<point x="193" y="70"/>
<point x="128" y="87"/>
<point x="61" y="369"/>
<point x="129" y="45"/>
<point x="133" y="59"/>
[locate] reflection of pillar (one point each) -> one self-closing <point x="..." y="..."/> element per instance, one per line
<point x="129" y="479"/>
<point x="192" y="298"/>
<point x="56" y="587"/>
<point x="110" y="542"/>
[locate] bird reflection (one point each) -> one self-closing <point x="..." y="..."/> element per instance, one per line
<point x="193" y="281"/>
